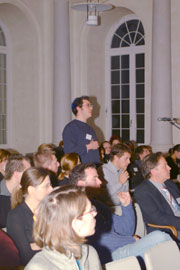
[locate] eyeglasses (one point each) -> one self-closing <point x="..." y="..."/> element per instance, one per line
<point x="93" y="209"/>
<point x="88" y="105"/>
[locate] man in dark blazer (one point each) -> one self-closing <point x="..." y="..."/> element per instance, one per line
<point x="158" y="196"/>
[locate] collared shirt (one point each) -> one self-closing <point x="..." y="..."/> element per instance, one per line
<point x="3" y="189"/>
<point x="160" y="187"/>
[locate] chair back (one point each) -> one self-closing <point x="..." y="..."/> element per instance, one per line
<point x="140" y="225"/>
<point x="126" y="263"/>
<point x="9" y="255"/>
<point x="165" y="255"/>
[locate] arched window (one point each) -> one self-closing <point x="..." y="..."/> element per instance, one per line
<point x="3" y="88"/>
<point x="127" y="81"/>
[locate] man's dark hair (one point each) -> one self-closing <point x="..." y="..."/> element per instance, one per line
<point x="149" y="163"/>
<point x="119" y="150"/>
<point x="78" y="173"/>
<point x="140" y="149"/>
<point x="78" y="102"/>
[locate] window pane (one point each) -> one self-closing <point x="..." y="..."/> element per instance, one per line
<point x="115" y="106"/>
<point x="115" y="42"/>
<point x="115" y="62"/>
<point x="125" y="121"/>
<point x="140" y="136"/>
<point x="126" y="38"/>
<point x="115" y="77"/>
<point x="115" y="92"/>
<point x="115" y="121"/>
<point x="140" y="60"/>
<point x="125" y="76"/>
<point x="140" y="121"/>
<point x="125" y="106"/>
<point x="125" y="61"/>
<point x="2" y="60"/>
<point x="139" y="75"/>
<point x="132" y="25"/>
<point x="125" y="134"/>
<point x="125" y="91"/>
<point x="140" y="106"/>
<point x="2" y="76"/>
<point x="116" y="132"/>
<point x="122" y="30"/>
<point x="124" y="44"/>
<point x="139" y="90"/>
<point x="2" y="38"/>
<point x="141" y="28"/>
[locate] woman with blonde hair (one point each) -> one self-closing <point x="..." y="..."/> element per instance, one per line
<point x="34" y="186"/>
<point x="63" y="220"/>
<point x="68" y="162"/>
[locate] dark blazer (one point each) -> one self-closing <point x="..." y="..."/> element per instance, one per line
<point x="154" y="207"/>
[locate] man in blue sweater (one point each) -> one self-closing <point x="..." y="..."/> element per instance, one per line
<point x="113" y="238"/>
<point x="78" y="136"/>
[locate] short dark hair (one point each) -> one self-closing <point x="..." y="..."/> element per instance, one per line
<point x="176" y="148"/>
<point x="119" y="150"/>
<point x="78" y="102"/>
<point x="140" y="149"/>
<point x="149" y="163"/>
<point x="78" y="173"/>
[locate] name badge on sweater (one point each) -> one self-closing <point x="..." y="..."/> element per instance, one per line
<point x="88" y="137"/>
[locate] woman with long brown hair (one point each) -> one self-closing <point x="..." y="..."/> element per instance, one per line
<point x="63" y="220"/>
<point x="35" y="185"/>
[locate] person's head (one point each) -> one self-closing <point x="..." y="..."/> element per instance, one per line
<point x="35" y="184"/>
<point x="154" y="166"/>
<point x="82" y="108"/>
<point x="15" y="167"/>
<point x="142" y="151"/>
<point x="63" y="219"/>
<point x="107" y="147"/>
<point x="4" y="155"/>
<point x="114" y="140"/>
<point x="176" y="151"/>
<point x="46" y="159"/>
<point x="46" y="147"/>
<point x="68" y="162"/>
<point x="120" y="156"/>
<point x="85" y="175"/>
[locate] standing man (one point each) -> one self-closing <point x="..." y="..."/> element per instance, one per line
<point x="78" y="136"/>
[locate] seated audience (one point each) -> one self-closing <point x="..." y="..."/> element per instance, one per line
<point x="35" y="185"/>
<point x="114" y="173"/>
<point x="113" y="236"/>
<point x="14" y="169"/>
<point x="63" y="220"/>
<point x="134" y="168"/>
<point x="68" y="162"/>
<point x="158" y="197"/>
<point x="46" y="158"/>
<point x="4" y="155"/>
<point x="173" y="161"/>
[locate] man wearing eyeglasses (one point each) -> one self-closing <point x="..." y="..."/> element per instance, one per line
<point x="113" y="238"/>
<point x="78" y="136"/>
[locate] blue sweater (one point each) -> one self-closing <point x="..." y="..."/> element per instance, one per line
<point x="112" y="231"/>
<point x="76" y="135"/>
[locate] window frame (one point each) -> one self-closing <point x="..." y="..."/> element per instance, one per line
<point x="131" y="51"/>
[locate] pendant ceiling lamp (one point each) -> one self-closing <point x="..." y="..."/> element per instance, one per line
<point x="92" y="9"/>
